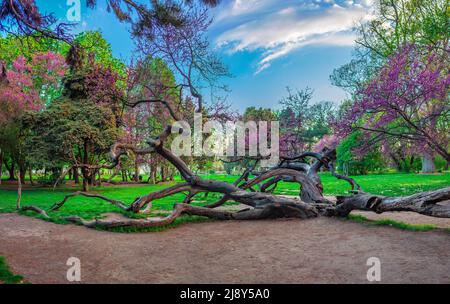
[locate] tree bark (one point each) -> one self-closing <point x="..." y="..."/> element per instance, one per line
<point x="1" y="166"/>
<point x="76" y="176"/>
<point x="428" y="163"/>
<point x="85" y="185"/>
<point x="152" y="177"/>
<point x="30" y="174"/>
<point x="136" y="171"/>
<point x="99" y="180"/>
<point x="22" y="172"/>
<point x="432" y="203"/>
<point x="85" y="170"/>
<point x="11" y="170"/>
<point x="19" y="191"/>
<point x="163" y="174"/>
<point x="124" y="175"/>
<point x="265" y="205"/>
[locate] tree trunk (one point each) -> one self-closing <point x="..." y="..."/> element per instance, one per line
<point x="11" y="170"/>
<point x="84" y="170"/>
<point x="30" y="173"/>
<point x="152" y="177"/>
<point x="396" y="162"/>
<point x="171" y="175"/>
<point x="76" y="176"/>
<point x="428" y="163"/>
<point x="136" y="171"/>
<point x="264" y="205"/>
<point x="1" y="166"/>
<point x="427" y="203"/>
<point x="92" y="178"/>
<point x="163" y="174"/>
<point x="19" y="191"/>
<point x="85" y="184"/>
<point x="22" y="173"/>
<point x="99" y="180"/>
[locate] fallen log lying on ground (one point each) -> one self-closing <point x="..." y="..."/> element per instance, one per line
<point x="262" y="204"/>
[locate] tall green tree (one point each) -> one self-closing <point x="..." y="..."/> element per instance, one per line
<point x="74" y="131"/>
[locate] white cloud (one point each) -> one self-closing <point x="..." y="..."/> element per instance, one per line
<point x="230" y="9"/>
<point x="292" y="26"/>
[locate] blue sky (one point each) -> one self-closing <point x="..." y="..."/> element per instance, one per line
<point x="267" y="44"/>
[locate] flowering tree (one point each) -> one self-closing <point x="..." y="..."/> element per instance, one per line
<point x="327" y="141"/>
<point x="407" y="100"/>
<point x="26" y="84"/>
<point x="302" y="123"/>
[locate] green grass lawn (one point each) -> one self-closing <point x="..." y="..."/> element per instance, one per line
<point x="89" y="208"/>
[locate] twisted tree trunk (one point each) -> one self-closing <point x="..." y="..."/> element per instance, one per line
<point x="433" y="203"/>
<point x="261" y="204"/>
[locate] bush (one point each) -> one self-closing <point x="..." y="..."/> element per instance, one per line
<point x="351" y="164"/>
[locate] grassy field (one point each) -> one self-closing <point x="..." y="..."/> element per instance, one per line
<point x="88" y="208"/>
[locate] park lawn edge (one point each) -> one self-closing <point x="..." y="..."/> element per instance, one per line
<point x="199" y="219"/>
<point x="394" y="224"/>
<point x="177" y="222"/>
<point x="7" y="276"/>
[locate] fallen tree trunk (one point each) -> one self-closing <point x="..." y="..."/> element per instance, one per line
<point x="262" y="205"/>
<point x="269" y="211"/>
<point x="426" y="203"/>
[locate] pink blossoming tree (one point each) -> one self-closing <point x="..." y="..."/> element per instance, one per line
<point x="407" y="101"/>
<point x="26" y="85"/>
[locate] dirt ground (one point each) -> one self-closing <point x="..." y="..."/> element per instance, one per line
<point x="323" y="250"/>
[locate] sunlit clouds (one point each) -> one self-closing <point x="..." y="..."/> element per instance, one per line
<point x="278" y="28"/>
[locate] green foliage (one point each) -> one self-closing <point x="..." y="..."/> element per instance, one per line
<point x="302" y="124"/>
<point x="12" y="47"/>
<point x="6" y="276"/>
<point x="94" y="43"/>
<point x="400" y="22"/>
<point x="258" y="114"/>
<point x="66" y="127"/>
<point x="411" y="164"/>
<point x="350" y="163"/>
<point x="155" y="73"/>
<point x="440" y="163"/>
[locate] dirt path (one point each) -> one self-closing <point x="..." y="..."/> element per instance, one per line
<point x="321" y="250"/>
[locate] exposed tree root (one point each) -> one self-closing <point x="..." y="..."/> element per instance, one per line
<point x="275" y="210"/>
<point x="116" y="203"/>
<point x="35" y="209"/>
